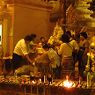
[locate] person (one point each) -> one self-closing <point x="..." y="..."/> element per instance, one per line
<point x="73" y="42"/>
<point x="58" y="31"/>
<point x="32" y="44"/>
<point x="52" y="60"/>
<point x="75" y="46"/>
<point x="65" y="51"/>
<point x="20" y="53"/>
<point x="43" y="41"/>
<point x="82" y="53"/>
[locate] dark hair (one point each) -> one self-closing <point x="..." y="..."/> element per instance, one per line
<point x="46" y="46"/>
<point x="42" y="38"/>
<point x="30" y="37"/>
<point x="68" y="33"/>
<point x="65" y="38"/>
<point x="33" y="36"/>
<point x="84" y="34"/>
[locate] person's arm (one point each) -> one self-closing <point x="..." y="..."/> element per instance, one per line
<point x="60" y="49"/>
<point x="86" y="45"/>
<point x="29" y="60"/>
<point x="26" y="53"/>
<point x="76" y="46"/>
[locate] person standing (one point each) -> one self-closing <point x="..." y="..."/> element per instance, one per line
<point x="75" y="46"/>
<point x="82" y="53"/>
<point x="65" y="51"/>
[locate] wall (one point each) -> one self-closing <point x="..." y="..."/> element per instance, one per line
<point x="30" y="19"/>
<point x="22" y="18"/>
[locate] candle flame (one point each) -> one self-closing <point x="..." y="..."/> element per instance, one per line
<point x="67" y="84"/>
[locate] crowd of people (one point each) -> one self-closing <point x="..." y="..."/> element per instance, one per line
<point x="56" y="56"/>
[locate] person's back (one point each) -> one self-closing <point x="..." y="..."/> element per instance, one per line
<point x="20" y="52"/>
<point x="54" y="58"/>
<point x="20" y="48"/>
<point x="55" y="62"/>
<point x="65" y="52"/>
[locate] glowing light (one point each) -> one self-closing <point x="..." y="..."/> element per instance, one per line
<point x="93" y="44"/>
<point x="67" y="84"/>
<point x="33" y="82"/>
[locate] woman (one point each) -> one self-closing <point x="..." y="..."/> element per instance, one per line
<point x="65" y="52"/>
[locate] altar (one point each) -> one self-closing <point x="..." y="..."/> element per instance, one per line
<point x="9" y="86"/>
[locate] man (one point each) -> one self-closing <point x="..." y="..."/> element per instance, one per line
<point x="20" y="53"/>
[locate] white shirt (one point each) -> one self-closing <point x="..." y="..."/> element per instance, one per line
<point x="54" y="58"/>
<point x="74" y="44"/>
<point x="65" y="50"/>
<point x="21" y="48"/>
